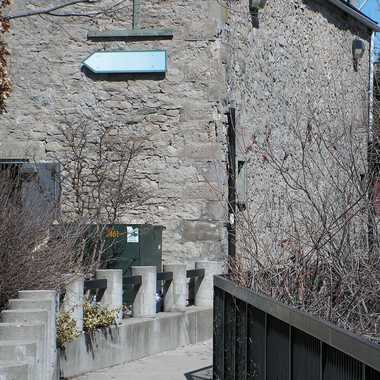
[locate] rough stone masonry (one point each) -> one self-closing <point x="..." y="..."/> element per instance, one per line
<point x="217" y="57"/>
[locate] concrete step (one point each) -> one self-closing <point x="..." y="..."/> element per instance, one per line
<point x="20" y="351"/>
<point x="14" y="370"/>
<point x="19" y="306"/>
<point x="42" y="304"/>
<point x="37" y="294"/>
<point x="24" y="315"/>
<point x="31" y="332"/>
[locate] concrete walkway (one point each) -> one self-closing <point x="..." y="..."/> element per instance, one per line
<point x="170" y="365"/>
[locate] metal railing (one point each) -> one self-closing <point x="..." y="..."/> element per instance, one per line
<point x="133" y="280"/>
<point x="95" y="288"/>
<point x="258" y="338"/>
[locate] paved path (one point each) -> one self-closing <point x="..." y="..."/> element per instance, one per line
<point x="170" y="365"/>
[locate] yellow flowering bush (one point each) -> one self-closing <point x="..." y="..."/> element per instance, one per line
<point x="97" y="316"/>
<point x="66" y="329"/>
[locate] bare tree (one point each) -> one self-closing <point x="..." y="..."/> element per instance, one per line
<point x="73" y="8"/>
<point x="99" y="180"/>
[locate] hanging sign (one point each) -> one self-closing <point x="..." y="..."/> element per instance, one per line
<point x="127" y="62"/>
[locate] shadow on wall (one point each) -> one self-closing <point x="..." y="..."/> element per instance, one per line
<point x="122" y="77"/>
<point x="337" y="17"/>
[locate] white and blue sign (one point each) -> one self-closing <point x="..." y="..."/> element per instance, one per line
<point x="127" y="62"/>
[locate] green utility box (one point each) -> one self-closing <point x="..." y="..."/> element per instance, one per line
<point x="131" y="245"/>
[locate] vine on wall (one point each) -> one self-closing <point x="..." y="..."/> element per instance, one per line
<point x="5" y="84"/>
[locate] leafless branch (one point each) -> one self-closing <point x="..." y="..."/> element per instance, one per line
<point x="52" y="11"/>
<point x="99" y="180"/>
<point x="304" y="237"/>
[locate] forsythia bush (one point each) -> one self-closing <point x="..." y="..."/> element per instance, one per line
<point x="94" y="317"/>
<point x="66" y="329"/>
<point x="97" y="316"/>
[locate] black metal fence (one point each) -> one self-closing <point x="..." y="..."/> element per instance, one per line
<point x="258" y="338"/>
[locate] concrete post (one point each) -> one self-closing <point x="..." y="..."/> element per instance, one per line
<point x="176" y="294"/>
<point x="205" y="286"/>
<point x="144" y="304"/>
<point x="73" y="301"/>
<point x="113" y="296"/>
<point x="43" y="296"/>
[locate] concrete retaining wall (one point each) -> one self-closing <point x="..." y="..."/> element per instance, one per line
<point x="136" y="338"/>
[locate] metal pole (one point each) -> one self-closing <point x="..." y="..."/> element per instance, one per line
<point x="231" y="136"/>
<point x="136" y="14"/>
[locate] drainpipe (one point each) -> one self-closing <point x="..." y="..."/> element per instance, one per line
<point x="371" y="148"/>
<point x="231" y="169"/>
<point x="370" y="89"/>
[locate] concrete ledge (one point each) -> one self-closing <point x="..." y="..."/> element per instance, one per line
<point x="135" y="338"/>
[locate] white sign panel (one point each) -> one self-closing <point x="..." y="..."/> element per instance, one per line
<point x="132" y="234"/>
<point x="123" y="62"/>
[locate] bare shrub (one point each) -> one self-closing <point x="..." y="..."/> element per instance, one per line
<point x="309" y="239"/>
<point x="34" y="252"/>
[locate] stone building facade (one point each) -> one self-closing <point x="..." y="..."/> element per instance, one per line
<point x="293" y="74"/>
<point x="290" y="56"/>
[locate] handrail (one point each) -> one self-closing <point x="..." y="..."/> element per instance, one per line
<point x="99" y="285"/>
<point x="164" y="276"/>
<point x="132" y="280"/>
<point x="353" y="345"/>
<point x="195" y="273"/>
<point x="95" y="284"/>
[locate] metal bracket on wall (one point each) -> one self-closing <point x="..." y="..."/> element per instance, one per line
<point x="131" y="35"/>
<point x="136" y="34"/>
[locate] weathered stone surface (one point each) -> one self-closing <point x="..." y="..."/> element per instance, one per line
<point x="298" y="59"/>
<point x="50" y="90"/>
<point x="193" y="230"/>
<point x="292" y="71"/>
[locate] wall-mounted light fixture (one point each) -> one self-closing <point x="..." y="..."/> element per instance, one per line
<point x="358" y="49"/>
<point x="254" y="7"/>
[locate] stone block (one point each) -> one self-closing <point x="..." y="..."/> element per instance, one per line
<point x="195" y="111"/>
<point x="200" y="230"/>
<point x="201" y="191"/>
<point x="202" y="151"/>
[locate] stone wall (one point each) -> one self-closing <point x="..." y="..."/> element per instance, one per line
<point x="181" y="118"/>
<point x="290" y="71"/>
<point x="296" y="60"/>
